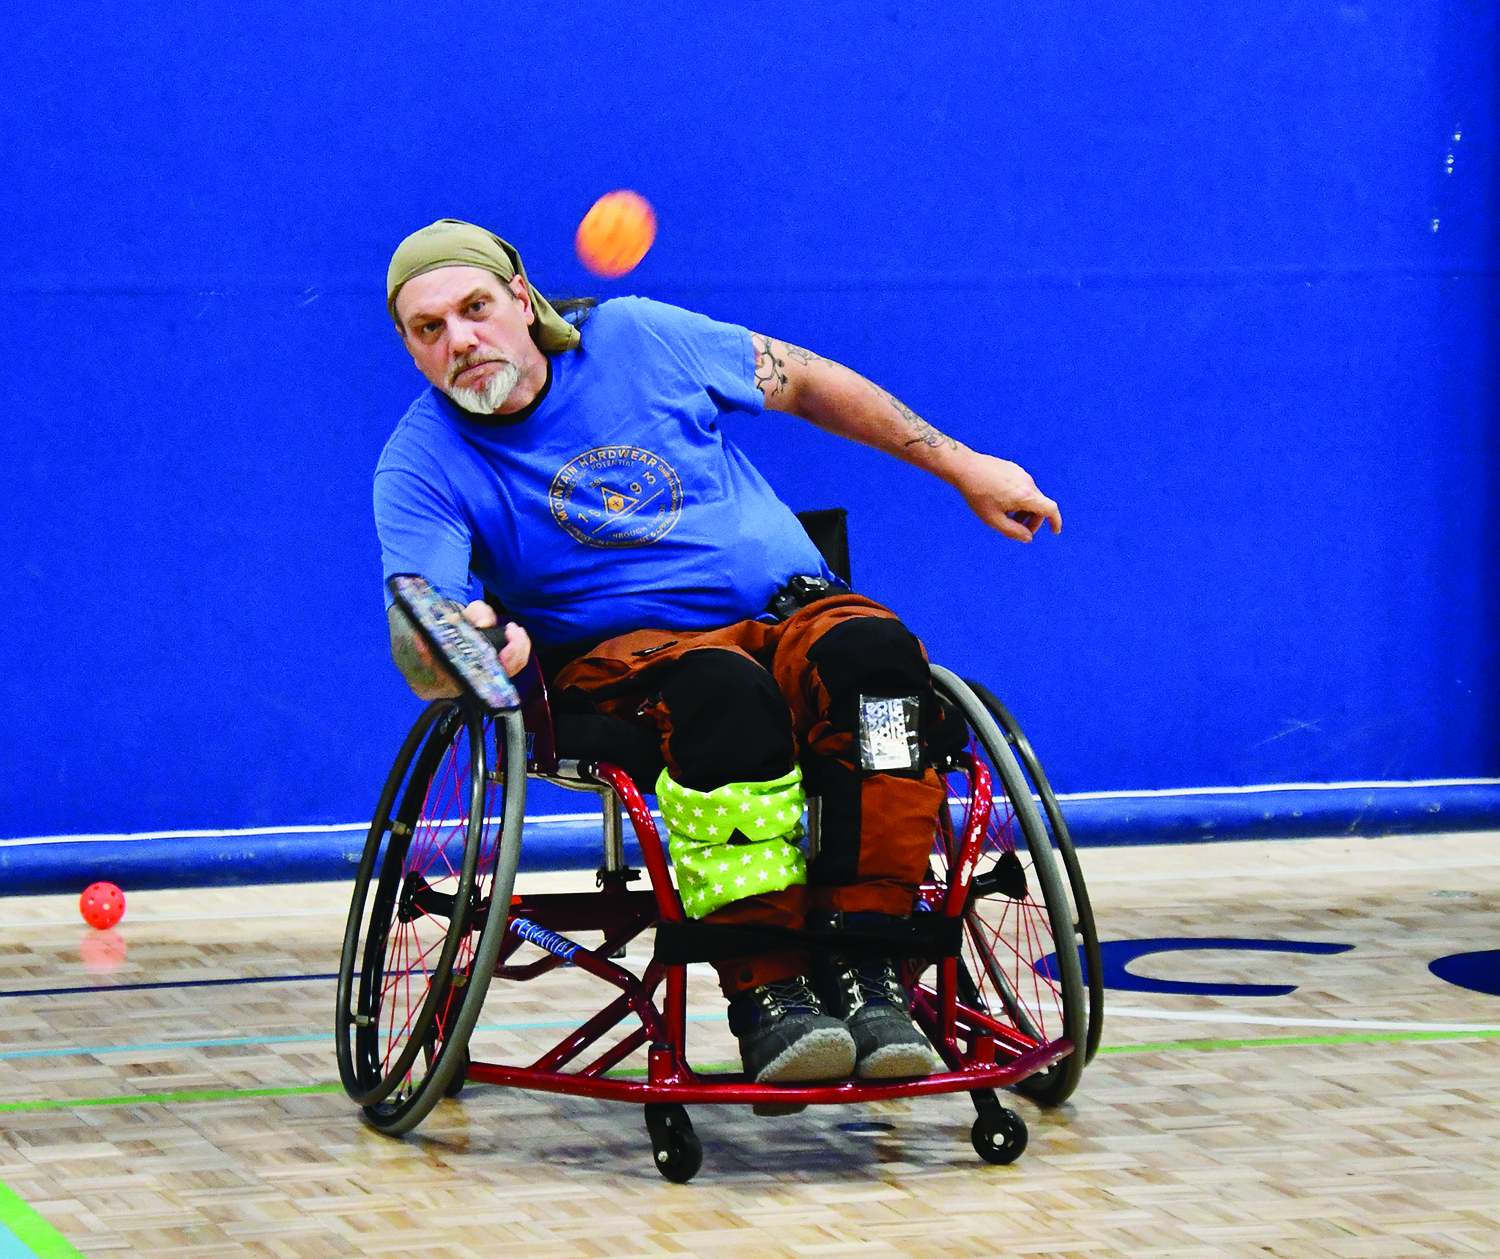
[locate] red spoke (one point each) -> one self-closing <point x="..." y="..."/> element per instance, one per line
<point x="442" y="799"/>
<point x="1006" y="937"/>
<point x="1039" y="1005"/>
<point x="427" y="952"/>
<point x="393" y="971"/>
<point x="434" y="814"/>
<point x="405" y="1027"/>
<point x="390" y="1031"/>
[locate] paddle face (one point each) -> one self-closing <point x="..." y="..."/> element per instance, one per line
<point x="460" y="646"/>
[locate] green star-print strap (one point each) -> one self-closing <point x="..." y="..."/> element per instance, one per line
<point x="734" y="841"/>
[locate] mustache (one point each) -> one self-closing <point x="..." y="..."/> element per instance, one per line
<point x="474" y="360"/>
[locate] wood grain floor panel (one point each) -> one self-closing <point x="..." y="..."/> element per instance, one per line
<point x="1336" y="1148"/>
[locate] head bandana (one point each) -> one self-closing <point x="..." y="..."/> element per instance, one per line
<point x="454" y="243"/>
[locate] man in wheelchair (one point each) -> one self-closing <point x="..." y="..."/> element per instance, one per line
<point x="571" y="459"/>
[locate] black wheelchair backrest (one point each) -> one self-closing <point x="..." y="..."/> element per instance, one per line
<point x="829" y="530"/>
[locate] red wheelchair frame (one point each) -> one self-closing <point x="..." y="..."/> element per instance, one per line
<point x="985" y="1044"/>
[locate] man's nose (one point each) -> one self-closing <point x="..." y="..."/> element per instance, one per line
<point x="461" y="338"/>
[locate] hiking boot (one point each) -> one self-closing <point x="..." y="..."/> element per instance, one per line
<point x="876" y="1008"/>
<point x="786" y="1038"/>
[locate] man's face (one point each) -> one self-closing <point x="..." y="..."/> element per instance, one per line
<point x="469" y="333"/>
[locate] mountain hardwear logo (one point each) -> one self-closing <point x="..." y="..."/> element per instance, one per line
<point x="616" y="496"/>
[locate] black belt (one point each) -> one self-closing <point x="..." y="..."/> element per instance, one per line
<point x="799" y="592"/>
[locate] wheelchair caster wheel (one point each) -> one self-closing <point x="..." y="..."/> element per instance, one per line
<point x="999" y="1135"/>
<point x="675" y="1147"/>
<point x="456" y="1084"/>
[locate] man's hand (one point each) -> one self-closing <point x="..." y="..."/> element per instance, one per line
<point x="1003" y="495"/>
<point x="431" y="680"/>
<point x="517" y="649"/>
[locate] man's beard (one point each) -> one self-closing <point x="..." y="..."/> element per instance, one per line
<point x="491" y="397"/>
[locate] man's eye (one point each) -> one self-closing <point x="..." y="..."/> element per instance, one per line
<point x="476" y="307"/>
<point x="429" y="328"/>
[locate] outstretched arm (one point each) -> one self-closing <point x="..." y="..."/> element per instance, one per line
<point x="431" y="680"/>
<point x="843" y="402"/>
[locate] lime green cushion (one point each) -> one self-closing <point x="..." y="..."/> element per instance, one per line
<point x="734" y="841"/>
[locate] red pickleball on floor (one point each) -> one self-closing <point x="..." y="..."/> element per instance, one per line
<point x="102" y="905"/>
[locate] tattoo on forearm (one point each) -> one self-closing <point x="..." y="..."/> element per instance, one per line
<point x="404" y="652"/>
<point x="770" y="379"/>
<point x="924" y="432"/>
<point x="805" y="357"/>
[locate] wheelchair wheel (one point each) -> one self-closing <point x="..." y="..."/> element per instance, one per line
<point x="1019" y="912"/>
<point x="999" y="1136"/>
<point x="675" y="1147"/>
<point x="1083" y="912"/>
<point x="435" y="861"/>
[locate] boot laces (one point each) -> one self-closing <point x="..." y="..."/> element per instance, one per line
<point x="781" y="997"/>
<point x="874" y="982"/>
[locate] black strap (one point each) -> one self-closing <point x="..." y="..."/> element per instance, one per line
<point x="921" y="936"/>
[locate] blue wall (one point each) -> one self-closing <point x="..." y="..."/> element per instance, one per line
<point x="1204" y="270"/>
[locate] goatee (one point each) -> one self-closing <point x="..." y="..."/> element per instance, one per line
<point x="492" y="395"/>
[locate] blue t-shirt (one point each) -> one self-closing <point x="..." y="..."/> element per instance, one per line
<point x="618" y="504"/>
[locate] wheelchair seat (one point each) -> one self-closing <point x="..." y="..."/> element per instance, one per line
<point x="596" y="738"/>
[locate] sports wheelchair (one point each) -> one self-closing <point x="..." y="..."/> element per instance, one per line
<point x="1001" y="957"/>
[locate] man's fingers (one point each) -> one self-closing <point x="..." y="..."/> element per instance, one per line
<point x="517" y="650"/>
<point x="1013" y="529"/>
<point x="480" y="615"/>
<point x="1037" y="508"/>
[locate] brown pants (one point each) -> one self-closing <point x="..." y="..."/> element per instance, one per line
<point x="760" y="698"/>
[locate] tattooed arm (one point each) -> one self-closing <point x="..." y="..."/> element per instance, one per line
<point x="431" y="680"/>
<point x="840" y="401"/>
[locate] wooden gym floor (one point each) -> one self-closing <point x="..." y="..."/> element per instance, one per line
<point x="1353" y="1117"/>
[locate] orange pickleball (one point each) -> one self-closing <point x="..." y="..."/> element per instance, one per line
<point x="102" y="905"/>
<point x="616" y="233"/>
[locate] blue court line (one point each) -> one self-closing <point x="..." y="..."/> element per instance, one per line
<point x="26" y="1235"/>
<point x="67" y="1052"/>
<point x="166" y="1044"/>
<point x="11" y="1246"/>
<point x="172" y="983"/>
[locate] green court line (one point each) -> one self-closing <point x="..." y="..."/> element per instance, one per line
<point x="31" y="1230"/>
<point x="1269" y="1042"/>
<point x="191" y="1095"/>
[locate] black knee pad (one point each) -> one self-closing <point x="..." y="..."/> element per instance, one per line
<point x="871" y="656"/>
<point x="730" y="722"/>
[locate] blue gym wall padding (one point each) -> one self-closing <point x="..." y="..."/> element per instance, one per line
<point x="572" y="842"/>
<point x="1222" y="276"/>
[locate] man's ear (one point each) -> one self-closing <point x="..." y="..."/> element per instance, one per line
<point x="522" y="293"/>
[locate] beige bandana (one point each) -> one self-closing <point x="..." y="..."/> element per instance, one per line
<point x="454" y="243"/>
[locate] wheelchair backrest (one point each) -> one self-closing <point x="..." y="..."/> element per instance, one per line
<point x="829" y="530"/>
